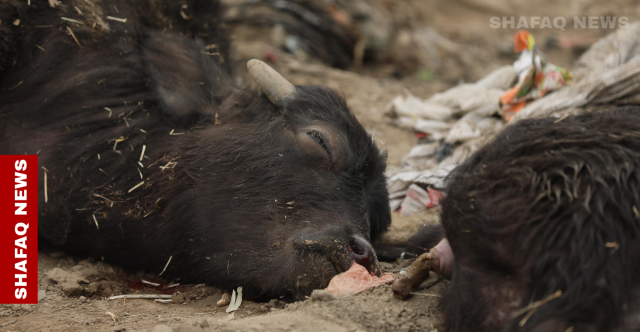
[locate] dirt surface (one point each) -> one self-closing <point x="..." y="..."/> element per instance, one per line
<point x="77" y="289"/>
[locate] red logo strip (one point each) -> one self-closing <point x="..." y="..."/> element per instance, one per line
<point x="19" y="229"/>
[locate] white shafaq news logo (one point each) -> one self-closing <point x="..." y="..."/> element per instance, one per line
<point x="559" y="22"/>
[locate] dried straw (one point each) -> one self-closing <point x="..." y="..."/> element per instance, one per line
<point x="113" y="316"/>
<point x="70" y="20"/>
<point x="136" y="186"/>
<point x="165" y="267"/>
<point x="149" y="283"/>
<point x="144" y="148"/>
<point x="46" y="196"/>
<point x="74" y="37"/>
<point x="123" y="20"/>
<point x="140" y="296"/>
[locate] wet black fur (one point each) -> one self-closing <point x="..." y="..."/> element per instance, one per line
<point x="317" y="30"/>
<point x="548" y="206"/>
<point x="236" y="198"/>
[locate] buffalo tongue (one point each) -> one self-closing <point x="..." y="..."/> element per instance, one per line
<point x="356" y="280"/>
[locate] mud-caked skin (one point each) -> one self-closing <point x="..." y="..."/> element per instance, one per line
<point x="548" y="208"/>
<point x="236" y="190"/>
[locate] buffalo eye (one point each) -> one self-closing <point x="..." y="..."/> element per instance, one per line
<point x="317" y="137"/>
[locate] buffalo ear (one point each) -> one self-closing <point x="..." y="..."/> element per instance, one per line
<point x="188" y="82"/>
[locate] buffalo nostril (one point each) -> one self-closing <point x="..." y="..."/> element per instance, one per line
<point x="362" y="252"/>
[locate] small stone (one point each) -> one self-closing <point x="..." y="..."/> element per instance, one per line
<point x="178" y="298"/>
<point x="91" y="289"/>
<point x="204" y="323"/>
<point x="46" y="282"/>
<point x="322" y="295"/>
<point x="88" y="271"/>
<point x="82" y="299"/>
<point x="112" y="286"/>
<point x="107" y="292"/>
<point x="42" y="294"/>
<point x="224" y="300"/>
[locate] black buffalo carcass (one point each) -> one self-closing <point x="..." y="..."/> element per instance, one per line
<point x="544" y="224"/>
<point x="153" y="157"/>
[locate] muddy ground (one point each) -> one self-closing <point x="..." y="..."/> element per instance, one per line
<point x="76" y="289"/>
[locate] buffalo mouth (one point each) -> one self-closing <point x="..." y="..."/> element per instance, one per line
<point x="339" y="248"/>
<point x="360" y="251"/>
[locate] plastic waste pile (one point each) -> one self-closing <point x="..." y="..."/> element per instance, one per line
<point x="457" y="122"/>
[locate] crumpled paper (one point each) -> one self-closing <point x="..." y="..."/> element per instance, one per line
<point x="536" y="77"/>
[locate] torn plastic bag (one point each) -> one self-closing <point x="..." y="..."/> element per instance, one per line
<point x="402" y="179"/>
<point x="421" y="156"/>
<point x="608" y="73"/>
<point x="608" y="53"/>
<point x="502" y="78"/>
<point x="536" y="77"/>
<point x="483" y="104"/>
<point x="417" y="108"/>
<point x="453" y="97"/>
<point x="419" y="200"/>
<point x="471" y="126"/>
<point x="618" y="85"/>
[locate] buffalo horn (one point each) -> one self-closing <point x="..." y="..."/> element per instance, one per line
<point x="274" y="86"/>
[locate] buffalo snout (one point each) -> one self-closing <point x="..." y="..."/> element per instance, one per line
<point x="362" y="253"/>
<point x="340" y="246"/>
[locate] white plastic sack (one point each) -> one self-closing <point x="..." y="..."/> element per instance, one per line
<point x="502" y="78"/>
<point x="417" y="108"/>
